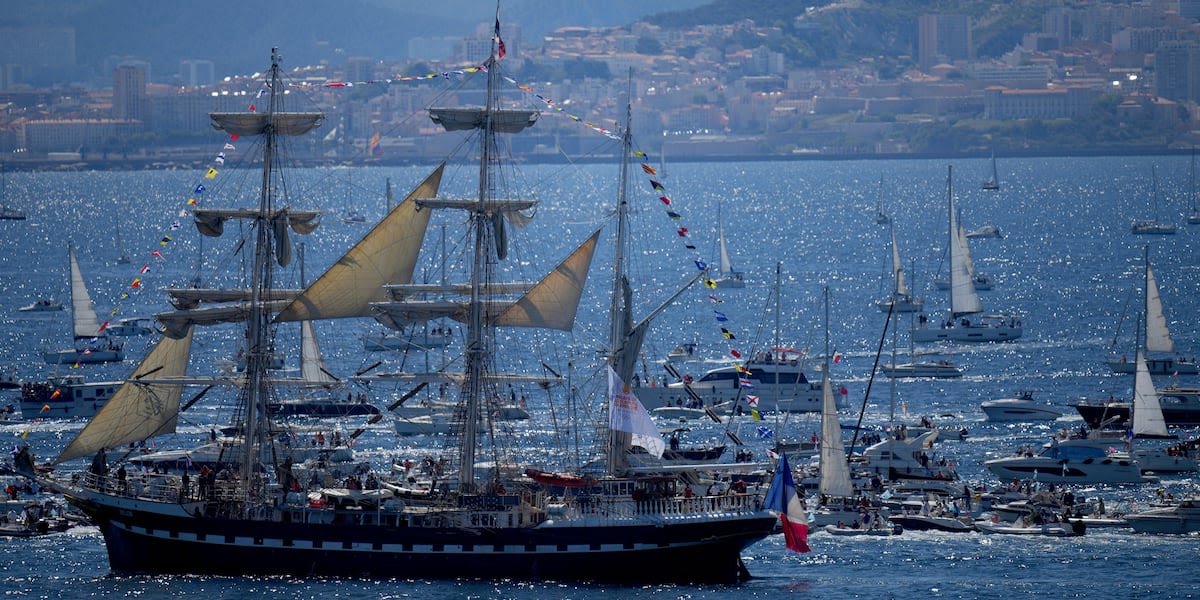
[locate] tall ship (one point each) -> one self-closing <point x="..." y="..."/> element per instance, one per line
<point x="485" y="512"/>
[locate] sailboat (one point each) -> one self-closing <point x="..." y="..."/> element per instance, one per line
<point x="1147" y="422"/>
<point x="480" y="519"/>
<point x="1152" y="226"/>
<point x="728" y="277"/>
<point x="981" y="282"/>
<point x="123" y="257"/>
<point x="92" y="343"/>
<point x="1164" y="360"/>
<point x="992" y="184"/>
<point x="900" y="300"/>
<point x="319" y="390"/>
<point x="839" y="507"/>
<point x="966" y="322"/>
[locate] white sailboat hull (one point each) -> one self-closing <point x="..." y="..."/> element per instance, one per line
<point x="969" y="333"/>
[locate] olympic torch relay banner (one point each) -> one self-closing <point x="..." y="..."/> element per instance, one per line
<point x="627" y="414"/>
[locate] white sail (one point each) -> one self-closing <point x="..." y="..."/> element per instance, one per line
<point x="312" y="364"/>
<point x="1158" y="336"/>
<point x="898" y="268"/>
<point x="835" y="471"/>
<point x="1147" y="413"/>
<point x="387" y="254"/>
<point x="83" y="312"/>
<point x="963" y="297"/>
<point x="726" y="264"/>
<point x="143" y="407"/>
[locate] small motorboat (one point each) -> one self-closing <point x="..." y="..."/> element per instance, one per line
<point x="886" y="529"/>
<point x="43" y="305"/>
<point x="920" y="522"/>
<point x="1052" y="529"/>
<point x="1021" y="407"/>
<point x="987" y="231"/>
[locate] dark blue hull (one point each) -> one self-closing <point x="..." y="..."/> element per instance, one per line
<point x="141" y="542"/>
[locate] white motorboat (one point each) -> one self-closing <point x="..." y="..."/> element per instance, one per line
<point x="1053" y="529"/>
<point x="985" y="231"/>
<point x="925" y="522"/>
<point x="929" y="368"/>
<point x="1068" y="464"/>
<point x="131" y="326"/>
<point x="65" y="397"/>
<point x="776" y="377"/>
<point x="42" y="305"/>
<point x="1021" y="407"/>
<point x="770" y="380"/>
<point x="904" y="457"/>
<point x="679" y="413"/>
<point x="1183" y="517"/>
<point x="886" y="529"/>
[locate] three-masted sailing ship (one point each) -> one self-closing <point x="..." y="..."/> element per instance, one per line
<point x="478" y="518"/>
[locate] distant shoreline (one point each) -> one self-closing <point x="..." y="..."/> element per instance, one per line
<point x="155" y="163"/>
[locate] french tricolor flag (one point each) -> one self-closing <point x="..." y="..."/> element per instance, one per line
<point x="782" y="498"/>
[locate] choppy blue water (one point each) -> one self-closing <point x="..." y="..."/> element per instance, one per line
<point x="1067" y="263"/>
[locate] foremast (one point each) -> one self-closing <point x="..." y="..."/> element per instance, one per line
<point x="270" y="243"/>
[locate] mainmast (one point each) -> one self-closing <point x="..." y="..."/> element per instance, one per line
<point x="619" y="313"/>
<point x="257" y="333"/>
<point x="256" y="304"/>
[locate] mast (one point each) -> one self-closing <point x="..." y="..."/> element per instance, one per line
<point x="619" y="310"/>
<point x="476" y="353"/>
<point x="257" y="355"/>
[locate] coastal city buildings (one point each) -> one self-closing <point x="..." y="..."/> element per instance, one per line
<point x="704" y="90"/>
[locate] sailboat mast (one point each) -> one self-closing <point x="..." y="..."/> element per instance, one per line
<point x="619" y="317"/>
<point x="476" y="353"/>
<point x="257" y="354"/>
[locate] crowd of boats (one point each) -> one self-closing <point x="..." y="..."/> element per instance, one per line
<point x="270" y="494"/>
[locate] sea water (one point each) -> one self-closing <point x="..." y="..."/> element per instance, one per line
<point x="1066" y="264"/>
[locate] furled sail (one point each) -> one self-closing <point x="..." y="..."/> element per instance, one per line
<point x="83" y="312"/>
<point x="465" y="118"/>
<point x="192" y="297"/>
<point x="211" y="221"/>
<point x="175" y="324"/>
<point x="387" y="254"/>
<point x="143" y="407"/>
<point x="554" y="301"/>
<point x="255" y="123"/>
<point x="551" y="303"/>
